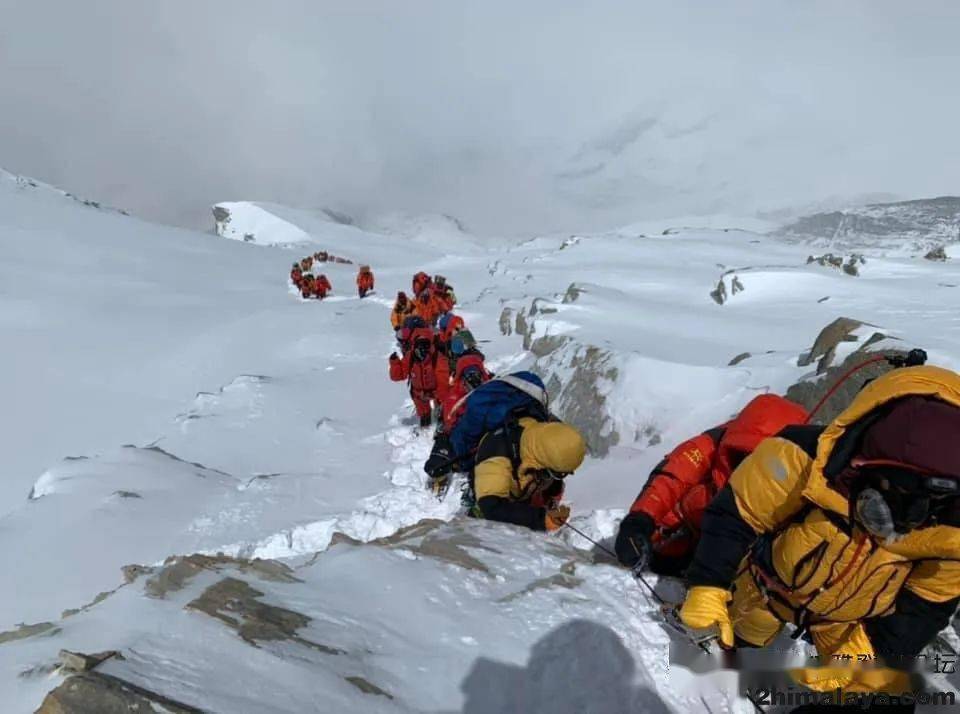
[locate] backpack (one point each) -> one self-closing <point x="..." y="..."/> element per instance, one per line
<point x="414" y="322"/>
<point x="495" y="403"/>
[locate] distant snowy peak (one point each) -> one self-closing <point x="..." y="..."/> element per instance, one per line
<point x="917" y="225"/>
<point x="260" y="223"/>
<point x="370" y="239"/>
<point x="387" y="240"/>
<point x="12" y="183"/>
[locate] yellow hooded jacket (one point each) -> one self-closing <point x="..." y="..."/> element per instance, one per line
<point x="507" y="459"/>
<point x="780" y="529"/>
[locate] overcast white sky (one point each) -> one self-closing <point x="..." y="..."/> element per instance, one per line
<point x="514" y="116"/>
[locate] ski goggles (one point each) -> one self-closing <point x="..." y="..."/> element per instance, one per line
<point x="908" y="479"/>
<point x="897" y="498"/>
<point x="548" y="476"/>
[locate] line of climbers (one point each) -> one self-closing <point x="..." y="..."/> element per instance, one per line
<point x="317" y="286"/>
<point x="438" y="357"/>
<point x="496" y="429"/>
<point x="848" y="532"/>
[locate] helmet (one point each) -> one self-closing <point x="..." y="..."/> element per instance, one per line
<point x="461" y="342"/>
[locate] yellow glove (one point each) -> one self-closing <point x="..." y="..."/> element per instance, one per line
<point x="822" y="679"/>
<point x="705" y="607"/>
<point x="554" y="519"/>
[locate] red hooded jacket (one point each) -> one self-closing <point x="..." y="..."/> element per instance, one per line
<point x="683" y="484"/>
<point x="455" y="403"/>
<point x="365" y="279"/>
<point x="422" y="375"/>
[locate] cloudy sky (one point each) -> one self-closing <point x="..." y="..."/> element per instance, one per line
<point x="514" y="116"/>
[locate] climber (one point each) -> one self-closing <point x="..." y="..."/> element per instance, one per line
<point x="321" y="256"/>
<point x="364" y="281"/>
<point x="461" y="343"/>
<point x="296" y="275"/>
<point x="402" y="309"/>
<point x="469" y="373"/>
<point x="663" y="525"/>
<point x="306" y="265"/>
<point x="850" y="532"/>
<point x="520" y="472"/>
<point x="444" y="292"/>
<point x="410" y="324"/>
<point x="418" y="366"/>
<point x="306" y="286"/>
<point x="449" y="325"/>
<point x="421" y="281"/>
<point x="321" y="286"/>
<point x="428" y="306"/>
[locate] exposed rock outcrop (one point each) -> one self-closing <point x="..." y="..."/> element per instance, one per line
<point x="506" y="321"/>
<point x="579" y="395"/>
<point x="721" y="293"/>
<point x="178" y="571"/>
<point x="98" y="693"/>
<point x="573" y="293"/>
<point x="22" y="632"/>
<point x="82" y="662"/>
<point x="849" y="264"/>
<point x="825" y="346"/>
<point x="811" y="390"/>
<point x="237" y="604"/>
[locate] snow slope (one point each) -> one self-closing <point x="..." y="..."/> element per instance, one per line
<point x="171" y="396"/>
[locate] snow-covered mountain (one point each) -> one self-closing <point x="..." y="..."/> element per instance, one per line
<point x="910" y="226"/>
<point x="216" y="480"/>
<point x="373" y="237"/>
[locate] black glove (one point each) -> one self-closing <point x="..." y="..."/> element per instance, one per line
<point x="633" y="541"/>
<point x="394" y="357"/>
<point x="441" y="457"/>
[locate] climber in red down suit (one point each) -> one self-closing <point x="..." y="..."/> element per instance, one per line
<point x="419" y="367"/>
<point x="662" y="529"/>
